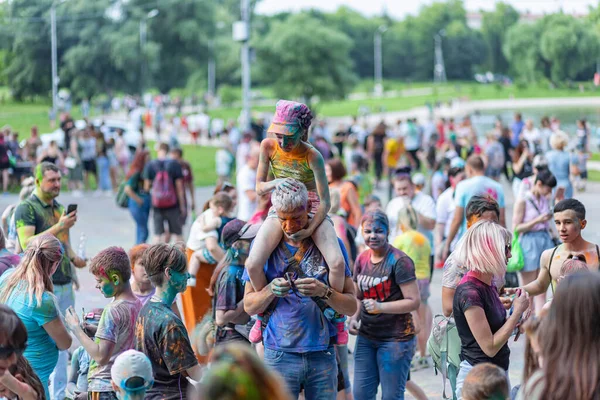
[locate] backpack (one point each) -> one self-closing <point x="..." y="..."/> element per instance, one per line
<point x="122" y="199"/>
<point x="444" y="347"/>
<point x="163" y="191"/>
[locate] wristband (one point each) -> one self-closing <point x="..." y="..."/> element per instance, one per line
<point x="328" y="293"/>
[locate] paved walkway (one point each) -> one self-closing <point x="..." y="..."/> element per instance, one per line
<point x="107" y="225"/>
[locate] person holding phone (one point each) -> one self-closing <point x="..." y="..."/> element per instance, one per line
<point x="41" y="214"/>
<point x="479" y="314"/>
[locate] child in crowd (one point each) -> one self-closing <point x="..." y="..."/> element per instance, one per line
<point x="116" y="329"/>
<point x="77" y="385"/>
<point x="417" y="247"/>
<point x="485" y="381"/>
<point x="20" y="382"/>
<point x="579" y="171"/>
<point x="131" y="375"/>
<point x="290" y="158"/>
<point x="140" y="283"/>
<point x="204" y="235"/>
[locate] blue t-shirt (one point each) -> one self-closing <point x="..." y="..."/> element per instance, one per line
<point x="41" y="351"/>
<point x="478" y="185"/>
<point x="297" y="324"/>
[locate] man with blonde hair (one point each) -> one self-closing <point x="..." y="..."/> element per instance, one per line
<point x="296" y="334"/>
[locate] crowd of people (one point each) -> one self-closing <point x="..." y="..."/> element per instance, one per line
<point x="281" y="267"/>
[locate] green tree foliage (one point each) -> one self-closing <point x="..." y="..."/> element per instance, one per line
<point x="495" y="24"/>
<point x="304" y="65"/>
<point x="557" y="47"/>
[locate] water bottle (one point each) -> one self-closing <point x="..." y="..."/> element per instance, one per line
<point x="81" y="248"/>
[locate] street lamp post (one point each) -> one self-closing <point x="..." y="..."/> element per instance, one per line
<point x="54" y="59"/>
<point x="241" y="33"/>
<point x="439" y="70"/>
<point x="143" y="36"/>
<point x="378" y="60"/>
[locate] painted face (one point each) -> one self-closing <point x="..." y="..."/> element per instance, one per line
<point x="375" y="233"/>
<point x="139" y="273"/>
<point x="290" y="141"/>
<point x="486" y="216"/>
<point x="179" y="280"/>
<point x="568" y="225"/>
<point x="404" y="188"/>
<point x="50" y="184"/>
<point x="292" y="222"/>
<point x="106" y="286"/>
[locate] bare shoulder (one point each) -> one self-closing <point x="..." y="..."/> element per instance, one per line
<point x="545" y="258"/>
<point x="314" y="155"/>
<point x="268" y="145"/>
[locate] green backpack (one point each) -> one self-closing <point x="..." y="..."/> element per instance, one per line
<point x="444" y="347"/>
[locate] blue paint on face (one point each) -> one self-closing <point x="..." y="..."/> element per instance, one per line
<point x="375" y="233"/>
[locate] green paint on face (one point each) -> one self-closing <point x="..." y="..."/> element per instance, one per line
<point x="106" y="287"/>
<point x="38" y="174"/>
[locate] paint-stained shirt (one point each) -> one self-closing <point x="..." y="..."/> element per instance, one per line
<point x="297" y="324"/>
<point x="416" y="246"/>
<point x="161" y="335"/>
<point x="381" y="282"/>
<point x="474" y="293"/>
<point x="117" y="325"/>
<point x="34" y="212"/>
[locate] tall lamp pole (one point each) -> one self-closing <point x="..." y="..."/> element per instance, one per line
<point x="143" y="37"/>
<point x="246" y="66"/>
<point x="54" y="59"/>
<point x="378" y="60"/>
<point x="439" y="69"/>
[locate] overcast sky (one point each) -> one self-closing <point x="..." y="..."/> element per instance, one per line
<point x="399" y="8"/>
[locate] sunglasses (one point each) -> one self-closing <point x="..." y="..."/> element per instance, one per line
<point x="8" y="351"/>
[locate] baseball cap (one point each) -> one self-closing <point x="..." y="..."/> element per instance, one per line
<point x="132" y="371"/>
<point x="237" y="229"/>
<point x="290" y="115"/>
<point x="418" y="179"/>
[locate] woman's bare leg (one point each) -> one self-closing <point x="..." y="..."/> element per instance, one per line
<point x="326" y="240"/>
<point x="267" y="239"/>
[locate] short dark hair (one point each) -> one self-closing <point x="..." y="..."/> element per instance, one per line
<point x="161" y="256"/>
<point x="164" y="147"/>
<point x="110" y="260"/>
<point x="546" y="177"/>
<point x="452" y="172"/>
<point x="571" y="204"/>
<point x="476" y="162"/>
<point x="42" y="167"/>
<point x="338" y="170"/>
<point x="480" y="204"/>
<point x="12" y="329"/>
<point x="485" y="381"/>
<point x="178" y="151"/>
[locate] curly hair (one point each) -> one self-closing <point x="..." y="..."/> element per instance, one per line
<point x="110" y="260"/>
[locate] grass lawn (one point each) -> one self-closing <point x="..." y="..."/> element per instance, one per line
<point x="202" y="161"/>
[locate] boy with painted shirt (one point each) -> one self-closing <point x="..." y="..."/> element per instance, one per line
<point x="159" y="332"/>
<point x="115" y="332"/>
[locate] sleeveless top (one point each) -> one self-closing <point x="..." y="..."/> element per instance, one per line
<point x="295" y="166"/>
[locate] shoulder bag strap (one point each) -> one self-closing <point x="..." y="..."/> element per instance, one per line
<point x="549" y="265"/>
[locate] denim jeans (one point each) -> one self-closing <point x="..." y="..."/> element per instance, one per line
<point x="103" y="173"/>
<point x="378" y="362"/>
<point x="58" y="379"/>
<point x="140" y="215"/>
<point x="315" y="371"/>
<point x="465" y="367"/>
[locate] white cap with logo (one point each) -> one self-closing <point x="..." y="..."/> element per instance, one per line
<point x="132" y="371"/>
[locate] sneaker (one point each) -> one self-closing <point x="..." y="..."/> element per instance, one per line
<point x="425" y="362"/>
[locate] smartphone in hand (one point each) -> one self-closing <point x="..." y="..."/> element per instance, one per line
<point x="71" y="208"/>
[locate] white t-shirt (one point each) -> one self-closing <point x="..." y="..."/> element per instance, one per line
<point x="422" y="203"/>
<point x="224" y="162"/>
<point x="532" y="136"/>
<point x="246" y="180"/>
<point x="196" y="240"/>
<point x="444" y="209"/>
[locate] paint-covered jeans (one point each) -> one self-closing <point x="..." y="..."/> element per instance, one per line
<point x="140" y="215"/>
<point x="315" y="371"/>
<point x="377" y="362"/>
<point x="58" y="379"/>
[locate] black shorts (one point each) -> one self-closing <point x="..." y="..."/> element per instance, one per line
<point x="89" y="166"/>
<point x="171" y="216"/>
<point x="583" y="174"/>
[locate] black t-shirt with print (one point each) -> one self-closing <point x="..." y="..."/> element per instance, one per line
<point x="474" y="293"/>
<point x="381" y="282"/>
